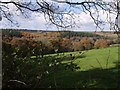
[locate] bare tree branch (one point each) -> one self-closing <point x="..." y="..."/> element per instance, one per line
<point x="56" y="16"/>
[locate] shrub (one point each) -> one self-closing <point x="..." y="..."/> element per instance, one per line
<point x="21" y="69"/>
<point x="27" y="72"/>
<point x="116" y="41"/>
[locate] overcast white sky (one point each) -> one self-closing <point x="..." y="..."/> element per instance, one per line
<point x="38" y="22"/>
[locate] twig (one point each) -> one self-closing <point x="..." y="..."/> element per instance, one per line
<point x="108" y="59"/>
<point x="17" y="81"/>
<point x="55" y="82"/>
<point x="99" y="63"/>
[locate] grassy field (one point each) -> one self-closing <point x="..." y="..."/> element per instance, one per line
<point x="101" y="58"/>
<point x="98" y="68"/>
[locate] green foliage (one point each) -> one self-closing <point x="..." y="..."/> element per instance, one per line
<point x="81" y="34"/>
<point x="20" y="70"/>
<point x="11" y="32"/>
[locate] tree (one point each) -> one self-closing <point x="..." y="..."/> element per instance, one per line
<point x="23" y="46"/>
<point x="61" y="17"/>
<point x="101" y="43"/>
<point x="66" y="45"/>
<point x="87" y="43"/>
<point x="117" y="21"/>
<point x="77" y="46"/>
<point x="56" y="43"/>
<point x="46" y="45"/>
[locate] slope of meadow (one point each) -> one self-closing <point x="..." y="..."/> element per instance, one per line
<point x="98" y="69"/>
<point x="100" y="58"/>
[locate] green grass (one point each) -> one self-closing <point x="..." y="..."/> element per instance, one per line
<point x="102" y="56"/>
<point x="91" y="58"/>
<point x="97" y="69"/>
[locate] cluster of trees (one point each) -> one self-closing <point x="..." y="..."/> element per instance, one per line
<point x="11" y="33"/>
<point x="87" y="44"/>
<point x="42" y="44"/>
<point x="80" y="34"/>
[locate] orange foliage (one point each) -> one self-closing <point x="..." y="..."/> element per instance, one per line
<point x="66" y="44"/>
<point x="86" y="42"/>
<point x="77" y="46"/>
<point x="101" y="43"/>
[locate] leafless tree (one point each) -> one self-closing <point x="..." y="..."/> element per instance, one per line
<point x="57" y="16"/>
<point x="117" y="23"/>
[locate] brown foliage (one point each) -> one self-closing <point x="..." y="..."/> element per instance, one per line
<point x="66" y="44"/>
<point x="101" y="43"/>
<point x="56" y="43"/>
<point x="77" y="46"/>
<point x="86" y="42"/>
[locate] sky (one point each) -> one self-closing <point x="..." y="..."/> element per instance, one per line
<point x="37" y="21"/>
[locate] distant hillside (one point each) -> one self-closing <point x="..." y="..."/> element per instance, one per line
<point x="107" y="34"/>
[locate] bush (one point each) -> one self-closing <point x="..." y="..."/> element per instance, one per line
<point x="116" y="41"/>
<point x="18" y="69"/>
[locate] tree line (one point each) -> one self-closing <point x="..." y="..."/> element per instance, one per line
<point x="55" y="42"/>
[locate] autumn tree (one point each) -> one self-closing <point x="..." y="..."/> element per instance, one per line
<point x="86" y="43"/>
<point x="66" y="45"/>
<point x="101" y="43"/>
<point x="77" y="46"/>
<point x="46" y="45"/>
<point x="23" y="46"/>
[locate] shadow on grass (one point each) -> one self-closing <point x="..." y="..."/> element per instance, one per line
<point x="32" y="72"/>
<point x="95" y="78"/>
<point x="62" y="57"/>
<point x="61" y="75"/>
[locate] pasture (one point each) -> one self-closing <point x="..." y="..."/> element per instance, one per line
<point x="98" y="69"/>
